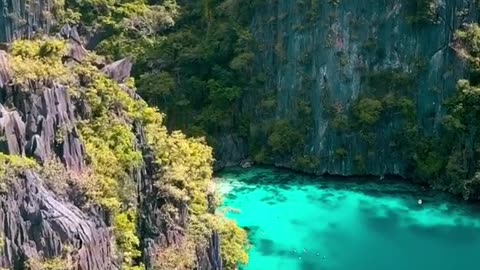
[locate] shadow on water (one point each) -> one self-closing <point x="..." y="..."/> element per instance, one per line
<point x="458" y="234"/>
<point x="276" y="180"/>
<point x="266" y="246"/>
<point x="356" y="219"/>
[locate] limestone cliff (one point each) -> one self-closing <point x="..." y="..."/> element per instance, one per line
<point x="44" y="212"/>
<point x="332" y="54"/>
<point x="24" y="18"/>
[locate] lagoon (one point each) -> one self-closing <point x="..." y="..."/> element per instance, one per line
<point x="299" y="222"/>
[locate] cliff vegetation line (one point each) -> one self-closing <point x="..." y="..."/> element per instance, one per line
<point x="204" y="71"/>
<point x="200" y="65"/>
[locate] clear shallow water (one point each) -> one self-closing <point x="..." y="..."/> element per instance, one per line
<point x="349" y="224"/>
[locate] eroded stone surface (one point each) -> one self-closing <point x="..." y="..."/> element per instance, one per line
<point x="41" y="122"/>
<point x="36" y="224"/>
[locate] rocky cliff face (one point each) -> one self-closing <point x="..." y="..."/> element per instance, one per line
<point x="40" y="120"/>
<point x="24" y="18"/>
<point x="334" y="53"/>
<point x="38" y="224"/>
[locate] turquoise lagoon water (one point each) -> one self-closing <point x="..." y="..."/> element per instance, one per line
<point x="296" y="222"/>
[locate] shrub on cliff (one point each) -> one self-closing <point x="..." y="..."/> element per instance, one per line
<point x="234" y="241"/>
<point x="39" y="61"/>
<point x="284" y="138"/>
<point x="368" y="111"/>
<point x="11" y="166"/>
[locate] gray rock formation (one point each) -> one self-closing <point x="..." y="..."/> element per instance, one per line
<point x="41" y="125"/>
<point x="230" y="150"/>
<point x="24" y="18"/>
<point x="329" y="52"/>
<point x="36" y="223"/>
<point x="76" y="50"/>
<point x="4" y="69"/>
<point x="120" y="70"/>
<point x="41" y="122"/>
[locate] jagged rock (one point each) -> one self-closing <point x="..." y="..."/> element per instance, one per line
<point x="230" y="150"/>
<point x="75" y="45"/>
<point x="5" y="75"/>
<point x="209" y="257"/>
<point x="76" y="51"/>
<point x="69" y="32"/>
<point x="43" y="122"/>
<point x="246" y="164"/>
<point x="13" y="130"/>
<point x="35" y="148"/>
<point x="119" y="70"/>
<point x="37" y="224"/>
<point x="24" y="18"/>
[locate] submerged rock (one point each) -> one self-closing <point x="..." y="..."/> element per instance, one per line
<point x="246" y="164"/>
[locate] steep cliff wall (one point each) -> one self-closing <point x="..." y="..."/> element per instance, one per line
<point x="24" y="18"/>
<point x="48" y="211"/>
<point x="333" y="54"/>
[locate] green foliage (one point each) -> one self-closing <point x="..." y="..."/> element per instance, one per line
<point x="57" y="263"/>
<point x="359" y="163"/>
<point x="11" y="166"/>
<point x="242" y="62"/>
<point x="55" y="176"/>
<point x="284" y="138"/>
<point x="469" y="47"/>
<point x="61" y="262"/>
<point x="368" y="111"/>
<point x="390" y="81"/>
<point x="261" y="157"/>
<point x="306" y="163"/>
<point x="157" y="87"/>
<point x="206" y="63"/>
<point x="176" y="257"/>
<point x="133" y="17"/>
<point x="234" y="243"/>
<point x="340" y="122"/>
<point x="341" y="153"/>
<point x="269" y="104"/>
<point x="39" y="62"/>
<point x="429" y="164"/>
<point x="425" y="12"/>
<point x="126" y="236"/>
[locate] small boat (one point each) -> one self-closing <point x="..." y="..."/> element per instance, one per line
<point x="420" y="202"/>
